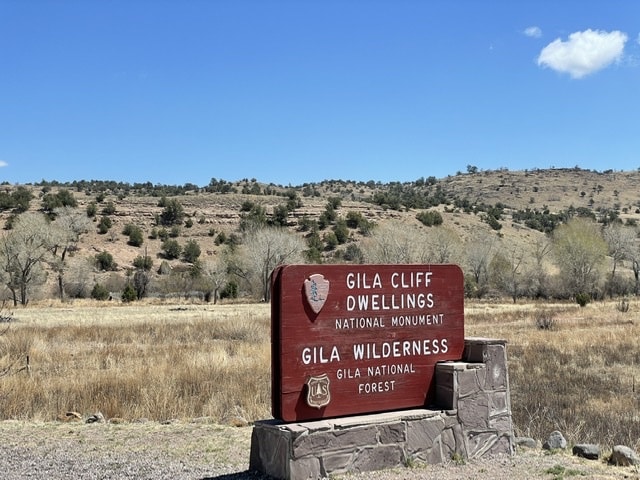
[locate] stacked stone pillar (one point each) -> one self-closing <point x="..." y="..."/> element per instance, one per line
<point x="471" y="418"/>
<point x="477" y="389"/>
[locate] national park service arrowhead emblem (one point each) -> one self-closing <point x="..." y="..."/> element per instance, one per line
<point x="318" y="393"/>
<point x="316" y="289"/>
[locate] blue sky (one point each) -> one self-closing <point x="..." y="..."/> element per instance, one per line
<point x="290" y="92"/>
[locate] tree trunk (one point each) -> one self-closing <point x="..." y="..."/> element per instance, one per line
<point x="23" y="295"/>
<point x="61" y="287"/>
<point x="61" y="274"/>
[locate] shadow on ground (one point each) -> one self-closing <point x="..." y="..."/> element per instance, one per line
<point x="246" y="475"/>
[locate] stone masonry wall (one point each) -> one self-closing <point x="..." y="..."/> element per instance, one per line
<point x="472" y="418"/>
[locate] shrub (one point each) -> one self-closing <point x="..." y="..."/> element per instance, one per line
<point x="171" y="249"/>
<point x="129" y="293"/>
<point x="330" y="241"/>
<point x="313" y="255"/>
<point x="306" y="224"/>
<point x="357" y="220"/>
<point x="327" y="217"/>
<point x="353" y="219"/>
<point x="230" y="290"/>
<point x="246" y="206"/>
<point x="105" y="261"/>
<point x="136" y="237"/>
<point x="64" y="198"/>
<point x="255" y="217"/>
<point x="221" y="238"/>
<point x="233" y="240"/>
<point x="104" y="225"/>
<point x="109" y="209"/>
<point x="191" y="251"/>
<point x="582" y="299"/>
<point x="92" y="210"/>
<point x="429" y="218"/>
<point x="341" y="231"/>
<point x="18" y="201"/>
<point x="492" y="222"/>
<point x="143" y="262"/>
<point x="279" y="217"/>
<point x="99" y="292"/>
<point x="353" y="253"/>
<point x="334" y="203"/>
<point x="172" y="214"/>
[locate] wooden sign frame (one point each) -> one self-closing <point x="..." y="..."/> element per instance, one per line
<point x="354" y="339"/>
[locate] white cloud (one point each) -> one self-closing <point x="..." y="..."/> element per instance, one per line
<point x="3" y="164"/>
<point x="534" y="32"/>
<point x="584" y="53"/>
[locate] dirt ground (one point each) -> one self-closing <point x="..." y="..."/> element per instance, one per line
<point x="202" y="450"/>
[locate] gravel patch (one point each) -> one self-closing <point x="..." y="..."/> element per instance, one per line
<point x="208" y="451"/>
<point x="147" y="450"/>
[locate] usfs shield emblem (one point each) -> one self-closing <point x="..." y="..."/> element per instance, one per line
<point x="318" y="393"/>
<point x="316" y="289"/>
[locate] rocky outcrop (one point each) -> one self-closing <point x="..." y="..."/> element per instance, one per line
<point x="623" y="456"/>
<point x="556" y="441"/>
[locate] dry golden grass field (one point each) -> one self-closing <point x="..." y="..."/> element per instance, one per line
<point x="571" y="368"/>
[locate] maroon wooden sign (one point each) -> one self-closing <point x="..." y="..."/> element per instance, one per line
<point x="352" y="339"/>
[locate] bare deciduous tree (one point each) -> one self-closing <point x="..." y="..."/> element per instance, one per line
<point x="444" y="245"/>
<point x="23" y="251"/>
<point x="69" y="224"/>
<point x="395" y="242"/>
<point x="79" y="277"/>
<point x="579" y="251"/>
<point x="141" y="280"/>
<point x="541" y="250"/>
<point x="634" y="258"/>
<point x="263" y="250"/>
<point x="480" y="251"/>
<point x="507" y="271"/>
<point x="215" y="274"/>
<point x="621" y="241"/>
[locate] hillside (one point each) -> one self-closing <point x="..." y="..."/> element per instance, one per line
<point x="463" y="201"/>
<point x="556" y="189"/>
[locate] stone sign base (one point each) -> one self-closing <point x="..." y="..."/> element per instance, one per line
<point x="472" y="418"/>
